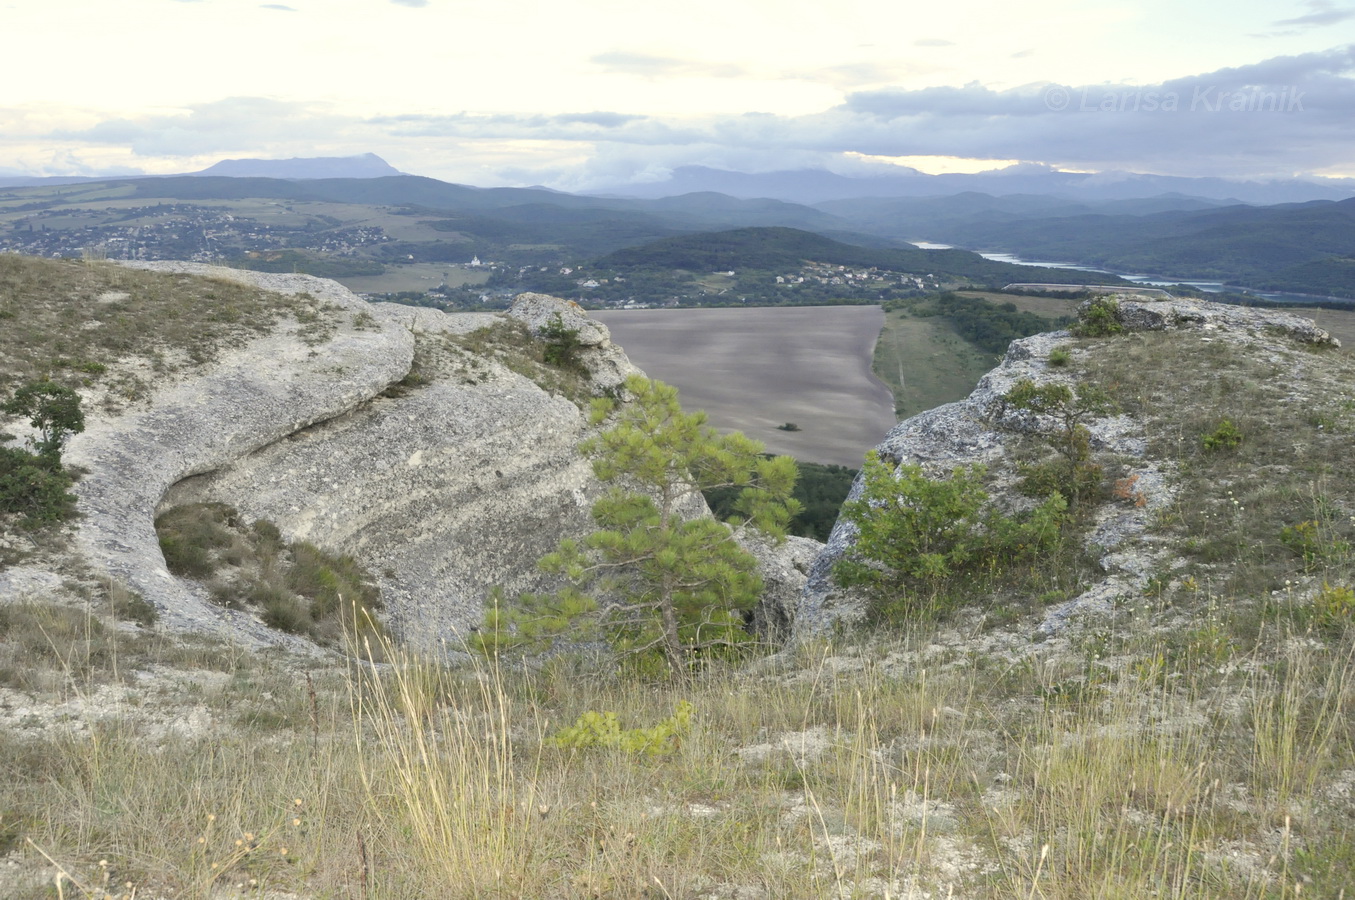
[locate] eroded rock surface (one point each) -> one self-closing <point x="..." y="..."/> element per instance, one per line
<point x="248" y="399"/>
<point x="444" y="492"/>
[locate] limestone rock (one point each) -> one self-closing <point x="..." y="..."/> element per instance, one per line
<point x="606" y="362"/>
<point x="249" y="398"/>
<point x="784" y="568"/>
<point x="442" y="493"/>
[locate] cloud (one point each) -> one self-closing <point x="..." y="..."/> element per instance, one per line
<point x="413" y="3"/>
<point x="277" y="6"/>
<point x="933" y="42"/>
<point x="1273" y="117"/>
<point x="1323" y="13"/>
<point x="235" y="123"/>
<point x="648" y="66"/>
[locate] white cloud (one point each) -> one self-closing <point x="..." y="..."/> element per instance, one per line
<point x="1279" y="116"/>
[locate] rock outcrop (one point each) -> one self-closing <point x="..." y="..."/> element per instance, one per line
<point x="413" y="440"/>
<point x="248" y="399"/>
<point x="984" y="429"/>
<point x="444" y="492"/>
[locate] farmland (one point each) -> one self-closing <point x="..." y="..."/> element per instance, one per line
<point x="755" y="370"/>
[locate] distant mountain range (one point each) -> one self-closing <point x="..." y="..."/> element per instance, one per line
<point x="366" y="165"/>
<point x="1302" y="247"/>
<point x="813" y="186"/>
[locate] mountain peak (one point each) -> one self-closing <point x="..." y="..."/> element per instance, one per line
<point x="366" y="165"/>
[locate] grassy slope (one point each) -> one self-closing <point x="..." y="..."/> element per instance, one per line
<point x="925" y="363"/>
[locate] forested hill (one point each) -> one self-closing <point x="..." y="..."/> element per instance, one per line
<point x="781" y="249"/>
<point x="1304" y="247"/>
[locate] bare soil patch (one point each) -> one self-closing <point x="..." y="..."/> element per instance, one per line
<point x="754" y="370"/>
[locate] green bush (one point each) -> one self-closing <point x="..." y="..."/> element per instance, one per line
<point x="1060" y="357"/>
<point x="918" y="536"/>
<point x="1225" y="437"/>
<point x="35" y="485"/>
<point x="1074" y="475"/>
<point x="1100" y="318"/>
<point x="1334" y="608"/>
<point x="562" y="345"/>
<point x="603" y="729"/>
<point x="34" y="488"/>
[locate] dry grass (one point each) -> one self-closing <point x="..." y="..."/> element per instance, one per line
<point x="293" y="586"/>
<point x="1126" y="767"/>
<point x="73" y="320"/>
<point x="925" y="363"/>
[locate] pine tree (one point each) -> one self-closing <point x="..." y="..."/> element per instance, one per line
<point x="655" y="577"/>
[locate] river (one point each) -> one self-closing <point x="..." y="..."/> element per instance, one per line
<point x="1213" y="287"/>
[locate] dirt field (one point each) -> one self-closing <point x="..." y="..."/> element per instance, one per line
<point x="754" y="369"/>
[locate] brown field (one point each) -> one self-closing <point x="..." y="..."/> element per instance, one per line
<point x="754" y="369"/>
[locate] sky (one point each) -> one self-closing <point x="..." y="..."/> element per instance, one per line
<point x="585" y="94"/>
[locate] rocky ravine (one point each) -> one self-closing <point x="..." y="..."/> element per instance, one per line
<point x="983" y="429"/>
<point x="443" y="487"/>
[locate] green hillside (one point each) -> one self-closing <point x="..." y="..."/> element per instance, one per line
<point x="774" y="249"/>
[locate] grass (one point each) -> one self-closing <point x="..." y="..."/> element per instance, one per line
<point x="511" y="342"/>
<point x="925" y="363"/>
<point x="922" y="764"/>
<point x="1260" y="449"/>
<point x="74" y="320"/>
<point x="293" y="586"/>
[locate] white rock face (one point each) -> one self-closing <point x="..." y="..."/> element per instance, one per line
<point x="442" y="493"/>
<point x="453" y="484"/>
<point x="246" y="400"/>
<point x="981" y="429"/>
<point x="605" y="361"/>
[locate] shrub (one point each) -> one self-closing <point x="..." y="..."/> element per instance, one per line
<point x="916" y="534"/>
<point x="1099" y="318"/>
<point x="51" y="408"/>
<point x="1074" y="476"/>
<point x="1060" y="357"/>
<point x="1225" y="437"/>
<point x="1333" y="608"/>
<point x="35" y="485"/>
<point x="33" y="488"/>
<point x="562" y="345"/>
<point x="603" y="729"/>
